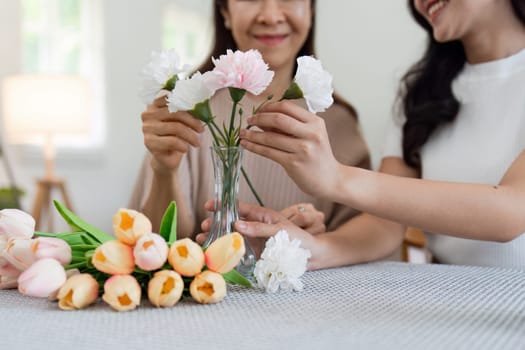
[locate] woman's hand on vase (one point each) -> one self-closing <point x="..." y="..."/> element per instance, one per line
<point x="298" y="141"/>
<point x="168" y="136"/>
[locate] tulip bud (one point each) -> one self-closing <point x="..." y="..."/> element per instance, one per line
<point x="150" y="252"/>
<point x="42" y="279"/>
<point x="129" y="225"/>
<point x="122" y="292"/>
<point x="186" y="257"/>
<point x="50" y="247"/>
<point x="8" y="282"/>
<point x="225" y="253"/>
<point x="8" y="270"/>
<point x="79" y="291"/>
<point x="165" y="288"/>
<point x="114" y="258"/>
<point x="15" y="223"/>
<point x="18" y="252"/>
<point x="208" y="287"/>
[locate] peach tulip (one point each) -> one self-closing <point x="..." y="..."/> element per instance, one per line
<point x="150" y="252"/>
<point x="42" y="279"/>
<point x="79" y="291"/>
<point x="19" y="253"/>
<point x="129" y="225"/>
<point x="50" y="247"/>
<point x="114" y="258"/>
<point x="15" y="223"/>
<point x="165" y="288"/>
<point x="122" y="292"/>
<point x="225" y="253"/>
<point x="186" y="257"/>
<point x="8" y="270"/>
<point x="8" y="282"/>
<point x="208" y="287"/>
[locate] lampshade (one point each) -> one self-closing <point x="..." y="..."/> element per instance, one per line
<point x="45" y="105"/>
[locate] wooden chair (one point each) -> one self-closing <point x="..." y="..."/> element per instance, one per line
<point x="414" y="247"/>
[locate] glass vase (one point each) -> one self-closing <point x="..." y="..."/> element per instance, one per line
<point x="227" y="163"/>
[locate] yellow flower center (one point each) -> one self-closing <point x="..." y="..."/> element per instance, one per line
<point x="183" y="251"/>
<point x="100" y="256"/>
<point x="206" y="288"/>
<point x="126" y="221"/>
<point x="147" y="244"/>
<point x="168" y="286"/>
<point x="237" y="243"/>
<point x="124" y="300"/>
<point x="69" y="297"/>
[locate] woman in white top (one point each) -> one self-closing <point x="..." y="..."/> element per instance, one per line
<point x="454" y="164"/>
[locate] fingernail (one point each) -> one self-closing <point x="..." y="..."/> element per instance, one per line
<point x="241" y="225"/>
<point x="242" y="132"/>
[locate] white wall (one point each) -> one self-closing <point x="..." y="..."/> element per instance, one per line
<point x="365" y="47"/>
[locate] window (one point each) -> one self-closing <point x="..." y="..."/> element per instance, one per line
<point x="64" y="37"/>
<point x="187" y="28"/>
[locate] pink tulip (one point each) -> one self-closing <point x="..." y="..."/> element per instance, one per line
<point x="42" y="279"/>
<point x="225" y="253"/>
<point x="8" y="270"/>
<point x="150" y="252"/>
<point x="114" y="258"/>
<point x="79" y="291"/>
<point x="165" y="288"/>
<point x="19" y="253"/>
<point x="208" y="287"/>
<point x="122" y="292"/>
<point x="7" y="282"/>
<point x="129" y="225"/>
<point x="49" y="247"/>
<point x="186" y="257"/>
<point x="15" y="223"/>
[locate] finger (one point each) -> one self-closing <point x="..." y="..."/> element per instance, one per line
<point x="251" y="212"/>
<point x="257" y="229"/>
<point x="316" y="229"/>
<point x="281" y="123"/>
<point x="278" y="141"/>
<point x="201" y="238"/>
<point x="165" y="144"/>
<point x="276" y="155"/>
<point x="290" y="109"/>
<point x="172" y="129"/>
<point x="187" y="119"/>
<point x="160" y="101"/>
<point x="209" y="205"/>
<point x="206" y="224"/>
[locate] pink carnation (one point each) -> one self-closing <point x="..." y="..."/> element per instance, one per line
<point x="243" y="70"/>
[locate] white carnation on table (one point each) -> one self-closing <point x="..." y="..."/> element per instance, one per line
<point x="313" y="83"/>
<point x="282" y="264"/>
<point x="160" y="74"/>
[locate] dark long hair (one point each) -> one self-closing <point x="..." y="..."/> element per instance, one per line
<point x="426" y="94"/>
<point x="223" y="41"/>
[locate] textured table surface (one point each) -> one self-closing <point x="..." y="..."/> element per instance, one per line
<point x="374" y="306"/>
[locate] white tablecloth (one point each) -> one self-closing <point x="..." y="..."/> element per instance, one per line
<point x="374" y="306"/>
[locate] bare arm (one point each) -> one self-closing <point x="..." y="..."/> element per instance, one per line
<point x="168" y="137"/>
<point x="297" y="140"/>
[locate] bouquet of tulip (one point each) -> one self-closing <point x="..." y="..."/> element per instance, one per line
<point x="239" y="72"/>
<point x="75" y="266"/>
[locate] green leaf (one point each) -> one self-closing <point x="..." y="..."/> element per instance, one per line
<point x="234" y="277"/>
<point x="293" y="92"/>
<point x="202" y="111"/>
<point x="77" y="223"/>
<point x="168" y="225"/>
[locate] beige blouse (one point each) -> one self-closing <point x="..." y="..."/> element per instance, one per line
<point x="271" y="182"/>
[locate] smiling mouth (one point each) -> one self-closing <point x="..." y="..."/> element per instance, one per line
<point x="434" y="8"/>
<point x="271" y="39"/>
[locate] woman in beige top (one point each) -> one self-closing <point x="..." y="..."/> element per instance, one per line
<point x="179" y="167"/>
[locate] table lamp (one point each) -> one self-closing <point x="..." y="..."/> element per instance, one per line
<point x="37" y="109"/>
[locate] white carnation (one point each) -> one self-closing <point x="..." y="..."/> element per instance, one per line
<point x="282" y="264"/>
<point x="188" y="93"/>
<point x="163" y="66"/>
<point x="315" y="83"/>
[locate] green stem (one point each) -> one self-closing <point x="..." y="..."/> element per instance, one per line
<point x="251" y="187"/>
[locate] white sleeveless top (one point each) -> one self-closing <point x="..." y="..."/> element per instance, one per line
<point x="478" y="147"/>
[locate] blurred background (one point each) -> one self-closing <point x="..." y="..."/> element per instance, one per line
<point x="96" y="49"/>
